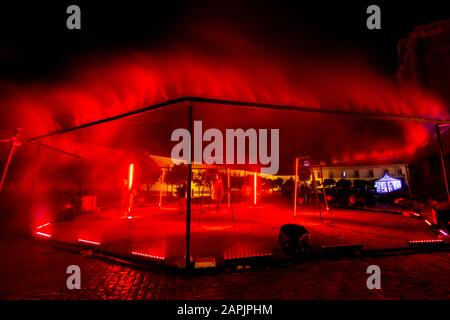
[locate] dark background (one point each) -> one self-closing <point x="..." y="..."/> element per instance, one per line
<point x="35" y="43"/>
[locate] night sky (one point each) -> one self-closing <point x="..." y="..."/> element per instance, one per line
<point x="36" y="45"/>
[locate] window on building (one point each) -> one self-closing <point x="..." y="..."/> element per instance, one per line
<point x="344" y="174"/>
<point x="356" y="173"/>
<point x="400" y="171"/>
<point x="370" y="173"/>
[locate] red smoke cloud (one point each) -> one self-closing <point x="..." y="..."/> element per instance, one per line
<point x="221" y="64"/>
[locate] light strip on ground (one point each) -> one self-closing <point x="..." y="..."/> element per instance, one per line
<point x="426" y="241"/>
<point x="146" y="255"/>
<point x="89" y="242"/>
<point x="45" y="235"/>
<point x="44" y="225"/>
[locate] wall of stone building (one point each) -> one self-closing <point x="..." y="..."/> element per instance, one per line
<point x="424" y="58"/>
<point x="361" y="172"/>
<point x="426" y="178"/>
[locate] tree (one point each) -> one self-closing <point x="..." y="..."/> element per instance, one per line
<point x="267" y="184"/>
<point x="149" y="171"/>
<point x="288" y="187"/>
<point x="278" y="182"/>
<point x="360" y="185"/>
<point x="329" y="182"/>
<point x="344" y="184"/>
<point x="198" y="181"/>
<point x="177" y="176"/>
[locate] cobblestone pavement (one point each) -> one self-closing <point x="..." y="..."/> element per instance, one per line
<point x="31" y="270"/>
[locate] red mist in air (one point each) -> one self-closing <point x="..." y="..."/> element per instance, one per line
<point x="225" y="65"/>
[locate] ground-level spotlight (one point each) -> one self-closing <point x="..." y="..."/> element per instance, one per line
<point x="294" y="239"/>
<point x="202" y="263"/>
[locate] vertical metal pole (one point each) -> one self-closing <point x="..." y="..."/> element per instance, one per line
<point x="229" y="188"/>
<point x="255" y="188"/>
<point x="229" y="195"/>
<point x="295" y="187"/>
<point x="323" y="188"/>
<point x="11" y="149"/>
<point x="161" y="188"/>
<point x="202" y="190"/>
<point x="130" y="188"/>
<point x="189" y="195"/>
<point x="317" y="195"/>
<point x="34" y="184"/>
<point x="443" y="161"/>
<point x="407" y="182"/>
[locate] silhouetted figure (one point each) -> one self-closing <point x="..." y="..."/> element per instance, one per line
<point x="218" y="191"/>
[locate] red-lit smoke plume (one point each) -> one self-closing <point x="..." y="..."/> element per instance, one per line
<point x="223" y="64"/>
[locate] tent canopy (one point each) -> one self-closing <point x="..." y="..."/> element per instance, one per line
<point x="327" y="136"/>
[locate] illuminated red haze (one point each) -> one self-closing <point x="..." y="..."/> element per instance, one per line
<point x="98" y="86"/>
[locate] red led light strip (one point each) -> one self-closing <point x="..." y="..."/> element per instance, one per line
<point x="248" y="256"/>
<point x="146" y="255"/>
<point x="44" y="225"/>
<point x="426" y="241"/>
<point x="130" y="175"/>
<point x="45" y="235"/>
<point x="89" y="242"/>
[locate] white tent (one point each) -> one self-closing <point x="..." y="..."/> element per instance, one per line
<point x="388" y="184"/>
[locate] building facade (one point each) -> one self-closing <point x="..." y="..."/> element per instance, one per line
<point x="424" y="60"/>
<point x="360" y="172"/>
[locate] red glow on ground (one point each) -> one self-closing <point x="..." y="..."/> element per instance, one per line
<point x="161" y="234"/>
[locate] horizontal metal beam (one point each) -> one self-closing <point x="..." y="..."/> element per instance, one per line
<point x="108" y="119"/>
<point x="248" y="104"/>
<point x="318" y="110"/>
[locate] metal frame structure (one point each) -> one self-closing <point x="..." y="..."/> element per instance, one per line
<point x="190" y="100"/>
